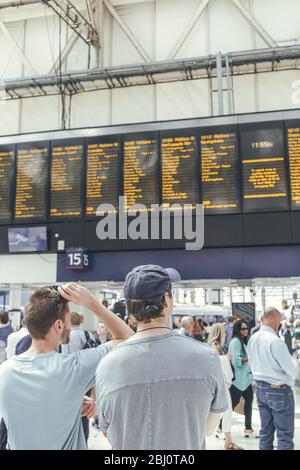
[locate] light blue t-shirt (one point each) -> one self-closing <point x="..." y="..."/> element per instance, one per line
<point x="156" y="393"/>
<point x="41" y="398"/>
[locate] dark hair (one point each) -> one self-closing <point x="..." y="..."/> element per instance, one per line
<point x="143" y="311"/>
<point x="76" y="319"/>
<point x="44" y="307"/>
<point x="120" y="307"/>
<point x="4" y="318"/>
<point x="236" y="333"/>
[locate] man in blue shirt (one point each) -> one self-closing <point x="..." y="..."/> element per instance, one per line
<point x="41" y="391"/>
<point x="274" y="372"/>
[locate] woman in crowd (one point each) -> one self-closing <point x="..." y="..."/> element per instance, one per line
<point x="215" y="339"/>
<point x="5" y="331"/>
<point x="198" y="332"/>
<point x="296" y="334"/>
<point x="242" y="382"/>
<point x="103" y="333"/>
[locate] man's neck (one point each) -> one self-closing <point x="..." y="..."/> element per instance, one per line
<point x="153" y="328"/>
<point x="270" y="326"/>
<point x="41" y="347"/>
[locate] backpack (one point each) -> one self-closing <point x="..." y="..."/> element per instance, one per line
<point x="90" y="342"/>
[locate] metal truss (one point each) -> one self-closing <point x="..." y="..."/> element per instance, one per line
<point x="239" y="63"/>
<point x="74" y="19"/>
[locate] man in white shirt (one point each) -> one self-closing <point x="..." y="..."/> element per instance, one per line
<point x="78" y="338"/>
<point x="187" y="325"/>
<point x="274" y="372"/>
<point x="13" y="340"/>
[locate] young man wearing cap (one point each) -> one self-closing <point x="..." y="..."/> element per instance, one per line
<point x="158" y="390"/>
<point x="41" y="391"/>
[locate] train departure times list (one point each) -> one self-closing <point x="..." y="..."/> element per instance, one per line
<point x="178" y="170"/>
<point x="66" y="179"/>
<point x="6" y="172"/>
<point x="102" y="175"/>
<point x="31" y="182"/>
<point x="293" y="137"/>
<point x="140" y="171"/>
<point x="220" y="172"/>
<point x="264" y="173"/>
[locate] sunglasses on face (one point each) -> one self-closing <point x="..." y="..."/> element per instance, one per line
<point x="245" y="329"/>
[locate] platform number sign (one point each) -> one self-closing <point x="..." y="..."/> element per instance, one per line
<point x="77" y="259"/>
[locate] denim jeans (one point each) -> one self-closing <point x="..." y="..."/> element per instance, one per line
<point x="277" y="413"/>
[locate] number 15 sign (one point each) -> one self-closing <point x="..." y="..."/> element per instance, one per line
<point x="77" y="259"/>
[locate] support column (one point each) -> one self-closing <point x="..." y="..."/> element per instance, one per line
<point x="220" y="84"/>
<point x="15" y="295"/>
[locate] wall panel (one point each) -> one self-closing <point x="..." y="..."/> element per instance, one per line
<point x="91" y="109"/>
<point x="40" y="114"/>
<point x="182" y="99"/>
<point x="135" y="104"/>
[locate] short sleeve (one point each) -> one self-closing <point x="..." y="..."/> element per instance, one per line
<point x="87" y="362"/>
<point x="219" y="402"/>
<point x="102" y="422"/>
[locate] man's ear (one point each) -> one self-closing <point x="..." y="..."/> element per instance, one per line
<point x="58" y="326"/>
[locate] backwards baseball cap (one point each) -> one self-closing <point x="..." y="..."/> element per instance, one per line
<point x="149" y="283"/>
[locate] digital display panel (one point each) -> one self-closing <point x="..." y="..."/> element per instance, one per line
<point x="30" y="239"/>
<point x="31" y="182"/>
<point x="102" y="178"/>
<point x="6" y="180"/>
<point x="141" y="178"/>
<point x="293" y="143"/>
<point x="220" y="170"/>
<point x="66" y="179"/>
<point x="178" y="163"/>
<point x="264" y="173"/>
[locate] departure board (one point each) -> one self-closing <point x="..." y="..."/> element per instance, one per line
<point x="293" y="142"/>
<point x="264" y="173"/>
<point x="31" y="182"/>
<point x="102" y="180"/>
<point x="178" y="162"/>
<point x="220" y="170"/>
<point x="141" y="180"/>
<point x="66" y="179"/>
<point x="6" y="178"/>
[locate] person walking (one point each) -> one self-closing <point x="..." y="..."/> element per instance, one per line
<point x="242" y="382"/>
<point x="216" y="339"/>
<point x="274" y="372"/>
<point x="5" y="331"/>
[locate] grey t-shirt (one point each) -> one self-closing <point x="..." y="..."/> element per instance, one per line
<point x="41" y="398"/>
<point x="157" y="392"/>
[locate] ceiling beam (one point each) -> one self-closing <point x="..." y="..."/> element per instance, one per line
<point x="64" y="53"/>
<point x="17" y="48"/>
<point x="188" y="29"/>
<point x="242" y="63"/>
<point x="127" y="31"/>
<point x="255" y="24"/>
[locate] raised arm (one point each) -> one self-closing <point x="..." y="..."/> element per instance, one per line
<point x="81" y="296"/>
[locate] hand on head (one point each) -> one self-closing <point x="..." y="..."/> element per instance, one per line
<point x="76" y="294"/>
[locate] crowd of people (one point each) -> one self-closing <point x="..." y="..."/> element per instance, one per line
<point x="183" y="382"/>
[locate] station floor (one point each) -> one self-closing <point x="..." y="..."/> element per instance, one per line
<point x="97" y="441"/>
